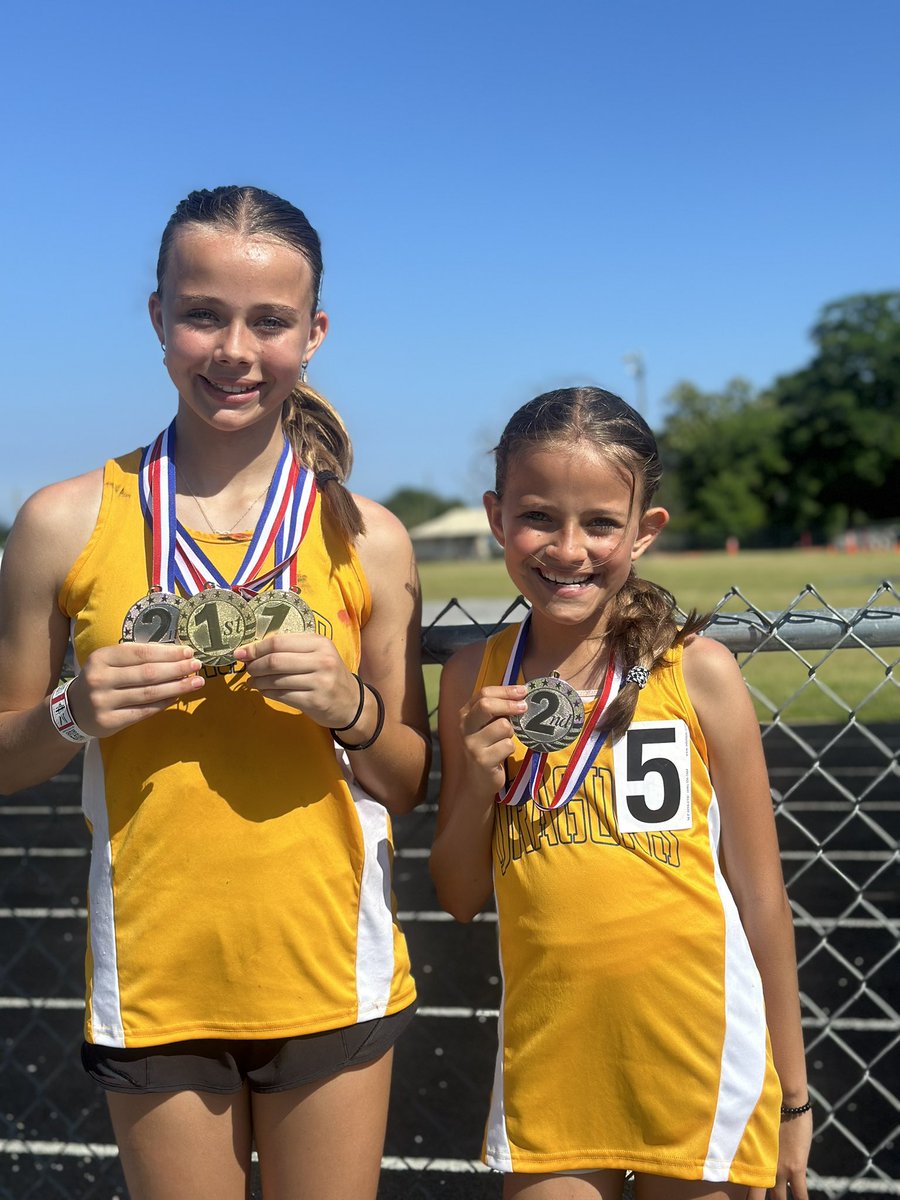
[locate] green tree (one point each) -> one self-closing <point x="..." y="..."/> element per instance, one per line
<point x="841" y="420"/>
<point x="723" y="450"/>
<point x="416" y="505"/>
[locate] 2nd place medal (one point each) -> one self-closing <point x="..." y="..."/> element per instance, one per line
<point x="554" y="717"/>
<point x="282" y="611"/>
<point x="214" y="623"/>
<point x="153" y="618"/>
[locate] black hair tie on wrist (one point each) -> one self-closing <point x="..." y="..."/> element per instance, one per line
<point x="379" y="721"/>
<point x="358" y="713"/>
<point x="788" y="1110"/>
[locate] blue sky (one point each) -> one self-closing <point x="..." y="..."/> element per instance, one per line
<point x="511" y="196"/>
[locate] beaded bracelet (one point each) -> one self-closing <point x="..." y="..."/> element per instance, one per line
<point x="379" y="721"/>
<point x="61" y="716"/>
<point x="790" y="1111"/>
<point x="358" y="713"/>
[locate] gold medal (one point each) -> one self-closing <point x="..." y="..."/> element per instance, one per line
<point x="153" y="618"/>
<point x="554" y="716"/>
<point x="214" y="623"/>
<point x="282" y="611"/>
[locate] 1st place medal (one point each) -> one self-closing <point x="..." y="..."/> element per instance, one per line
<point x="153" y="618"/>
<point x="282" y="611"/>
<point x="214" y="623"/>
<point x="554" y="717"/>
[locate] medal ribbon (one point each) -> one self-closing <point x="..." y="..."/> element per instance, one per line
<point x="586" y="748"/>
<point x="532" y="767"/>
<point x="525" y="785"/>
<point x="292" y="531"/>
<point x="289" y="503"/>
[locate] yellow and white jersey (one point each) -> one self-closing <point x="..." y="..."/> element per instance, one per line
<point x="240" y="879"/>
<point x="632" y="1025"/>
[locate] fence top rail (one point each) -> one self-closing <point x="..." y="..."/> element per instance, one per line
<point x="803" y="629"/>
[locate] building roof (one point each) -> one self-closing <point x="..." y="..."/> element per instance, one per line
<point x="454" y="523"/>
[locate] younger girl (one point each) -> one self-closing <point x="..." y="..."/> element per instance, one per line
<point x="251" y="699"/>
<point x="645" y="936"/>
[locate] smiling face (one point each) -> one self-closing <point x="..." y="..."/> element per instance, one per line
<point x="235" y="317"/>
<point x="571" y="525"/>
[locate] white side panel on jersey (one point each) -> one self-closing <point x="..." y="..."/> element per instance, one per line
<point x="106" y="1005"/>
<point x="497" y="1150"/>
<point x="375" y="929"/>
<point x="743" y="1063"/>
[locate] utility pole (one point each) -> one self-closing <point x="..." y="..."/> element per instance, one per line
<point x="634" y="362"/>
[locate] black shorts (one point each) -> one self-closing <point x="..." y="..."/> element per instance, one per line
<point x="267" y="1065"/>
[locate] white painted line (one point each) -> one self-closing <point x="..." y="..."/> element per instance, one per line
<point x="840" y="855"/>
<point x="831" y="1184"/>
<point x="41" y="810"/>
<point x="38" y="852"/>
<point x="43" y="914"/>
<point x="481" y="1014"/>
<point x="460" y="1012"/>
<point x="824" y="924"/>
<point x="100" y="1150"/>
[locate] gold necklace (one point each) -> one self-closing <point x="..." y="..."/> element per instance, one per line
<point x="212" y="529"/>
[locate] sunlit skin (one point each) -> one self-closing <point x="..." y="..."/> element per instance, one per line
<point x="571" y="528"/>
<point x="236" y="318"/>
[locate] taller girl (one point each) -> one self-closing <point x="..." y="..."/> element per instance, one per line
<point x="251" y="699"/>
<point x="619" y="807"/>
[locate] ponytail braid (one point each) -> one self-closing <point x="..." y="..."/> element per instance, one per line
<point x="320" y="441"/>
<point x="641" y="631"/>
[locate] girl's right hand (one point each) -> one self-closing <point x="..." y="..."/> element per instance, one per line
<point x="120" y="685"/>
<point x="487" y="733"/>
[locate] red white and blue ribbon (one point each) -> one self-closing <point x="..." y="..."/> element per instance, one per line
<point x="177" y="557"/>
<point x="527" y="782"/>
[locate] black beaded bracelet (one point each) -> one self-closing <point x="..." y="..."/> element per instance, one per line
<point x="789" y="1111"/>
<point x="379" y="722"/>
<point x="358" y="713"/>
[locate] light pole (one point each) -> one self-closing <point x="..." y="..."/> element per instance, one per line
<point x="634" y="361"/>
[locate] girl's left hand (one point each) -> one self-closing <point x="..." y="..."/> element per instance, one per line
<point x="793" y="1151"/>
<point x="305" y="671"/>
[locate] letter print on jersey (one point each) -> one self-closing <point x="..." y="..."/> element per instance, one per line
<point x="652" y="765"/>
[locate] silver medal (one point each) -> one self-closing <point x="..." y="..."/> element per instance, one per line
<point x="554" y="716"/>
<point x="153" y="618"/>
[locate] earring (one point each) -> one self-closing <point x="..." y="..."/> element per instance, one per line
<point x="162" y="346"/>
<point x="303" y="367"/>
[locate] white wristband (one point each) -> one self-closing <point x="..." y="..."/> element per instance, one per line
<point x="61" y="716"/>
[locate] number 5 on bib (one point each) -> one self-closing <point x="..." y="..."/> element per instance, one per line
<point x="652" y="765"/>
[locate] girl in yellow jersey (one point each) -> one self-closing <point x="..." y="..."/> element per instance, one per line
<point x="603" y="774"/>
<point x="248" y="689"/>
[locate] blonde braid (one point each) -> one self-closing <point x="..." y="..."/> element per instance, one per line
<point x="320" y="441"/>
<point x="641" y="632"/>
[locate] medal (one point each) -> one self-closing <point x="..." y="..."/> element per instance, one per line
<point x="542" y="725"/>
<point x="282" y="611"/>
<point x="554" y="716"/>
<point x="217" y="618"/>
<point x="214" y="623"/>
<point x="153" y="618"/>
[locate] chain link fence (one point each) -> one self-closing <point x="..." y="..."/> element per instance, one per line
<point x="825" y="682"/>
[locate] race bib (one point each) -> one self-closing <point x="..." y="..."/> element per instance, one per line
<point x="652" y="765"/>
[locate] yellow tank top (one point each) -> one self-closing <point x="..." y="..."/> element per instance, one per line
<point x="240" y="878"/>
<point x="632" y="1026"/>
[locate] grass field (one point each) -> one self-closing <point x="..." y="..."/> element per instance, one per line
<point x="770" y="581"/>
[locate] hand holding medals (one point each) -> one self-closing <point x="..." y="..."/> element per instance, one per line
<point x="217" y="617"/>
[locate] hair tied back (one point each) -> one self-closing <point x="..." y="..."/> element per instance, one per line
<point x="638" y="675"/>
